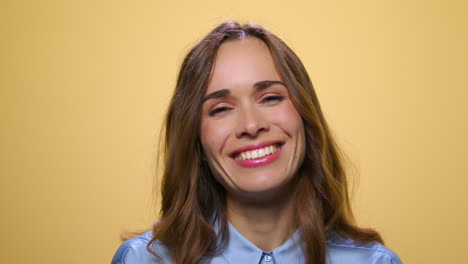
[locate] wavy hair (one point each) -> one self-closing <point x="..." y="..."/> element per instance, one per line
<point x="192" y="199"/>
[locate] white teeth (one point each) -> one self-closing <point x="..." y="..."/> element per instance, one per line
<point x="257" y="153"/>
<point x="243" y="156"/>
<point x="254" y="154"/>
<point x="261" y="152"/>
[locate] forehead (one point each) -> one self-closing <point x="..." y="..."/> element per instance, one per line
<point x="242" y="62"/>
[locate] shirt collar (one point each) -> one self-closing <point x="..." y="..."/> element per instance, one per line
<point x="240" y="250"/>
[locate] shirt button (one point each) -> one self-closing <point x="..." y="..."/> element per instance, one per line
<point x="267" y="258"/>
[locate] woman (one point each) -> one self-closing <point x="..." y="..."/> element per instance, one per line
<point x="252" y="172"/>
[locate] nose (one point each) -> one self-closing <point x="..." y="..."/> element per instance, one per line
<point x="251" y="122"/>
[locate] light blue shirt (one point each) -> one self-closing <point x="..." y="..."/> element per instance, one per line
<point x="239" y="250"/>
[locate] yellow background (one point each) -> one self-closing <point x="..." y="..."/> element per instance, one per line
<point x="84" y="85"/>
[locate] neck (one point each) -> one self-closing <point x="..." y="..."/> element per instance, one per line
<point x="267" y="225"/>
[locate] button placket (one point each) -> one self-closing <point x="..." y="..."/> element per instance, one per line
<point x="268" y="258"/>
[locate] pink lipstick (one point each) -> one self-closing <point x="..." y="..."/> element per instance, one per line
<point x="257" y="155"/>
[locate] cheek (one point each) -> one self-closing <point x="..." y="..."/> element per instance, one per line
<point x="290" y="120"/>
<point x="213" y="135"/>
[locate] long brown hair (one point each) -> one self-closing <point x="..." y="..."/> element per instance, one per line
<point x="192" y="199"/>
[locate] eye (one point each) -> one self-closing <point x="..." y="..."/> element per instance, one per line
<point x="218" y="111"/>
<point x="272" y="99"/>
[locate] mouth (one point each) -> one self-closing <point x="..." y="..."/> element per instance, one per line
<point x="257" y="152"/>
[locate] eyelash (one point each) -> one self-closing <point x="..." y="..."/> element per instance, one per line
<point x="218" y="110"/>
<point x="273" y="99"/>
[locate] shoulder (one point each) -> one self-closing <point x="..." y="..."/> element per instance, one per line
<point x="135" y="251"/>
<point x="345" y="250"/>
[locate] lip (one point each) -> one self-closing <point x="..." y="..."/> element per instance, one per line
<point x="253" y="163"/>
<point x="256" y="146"/>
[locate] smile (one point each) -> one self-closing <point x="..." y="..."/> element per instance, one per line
<point x="257" y="155"/>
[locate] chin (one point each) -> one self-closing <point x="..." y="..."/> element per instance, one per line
<point x="261" y="191"/>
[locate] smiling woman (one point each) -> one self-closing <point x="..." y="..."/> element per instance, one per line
<point x="252" y="135"/>
<point x="263" y="181"/>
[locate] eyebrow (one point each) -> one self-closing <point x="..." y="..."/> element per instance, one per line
<point x="265" y="84"/>
<point x="258" y="86"/>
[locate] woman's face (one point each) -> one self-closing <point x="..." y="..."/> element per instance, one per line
<point x="251" y="133"/>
